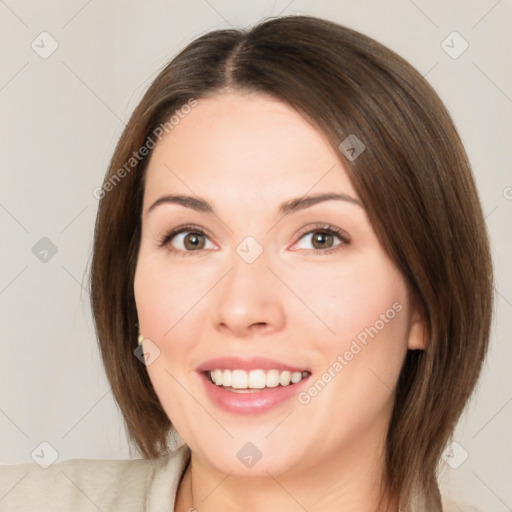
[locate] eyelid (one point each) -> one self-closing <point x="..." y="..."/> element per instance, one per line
<point x="343" y="235"/>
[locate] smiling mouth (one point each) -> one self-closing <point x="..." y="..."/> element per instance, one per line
<point x="241" y="381"/>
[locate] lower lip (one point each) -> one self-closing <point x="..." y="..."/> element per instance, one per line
<point x="251" y="402"/>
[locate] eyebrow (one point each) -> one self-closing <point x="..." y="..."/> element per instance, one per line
<point x="290" y="206"/>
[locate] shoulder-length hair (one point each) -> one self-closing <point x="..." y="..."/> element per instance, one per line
<point x="413" y="178"/>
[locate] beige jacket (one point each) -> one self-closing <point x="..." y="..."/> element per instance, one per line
<point x="87" y="485"/>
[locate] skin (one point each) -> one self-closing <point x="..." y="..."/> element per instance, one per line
<point x="297" y="302"/>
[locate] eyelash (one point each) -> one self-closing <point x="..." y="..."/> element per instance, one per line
<point x="171" y="234"/>
<point x="324" y="228"/>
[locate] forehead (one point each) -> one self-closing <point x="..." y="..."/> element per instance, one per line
<point x="240" y="145"/>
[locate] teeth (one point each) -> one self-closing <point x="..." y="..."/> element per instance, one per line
<point x="272" y="379"/>
<point x="255" y="379"/>
<point x="285" y="378"/>
<point x="296" y="377"/>
<point x="238" y="379"/>
<point x="217" y="377"/>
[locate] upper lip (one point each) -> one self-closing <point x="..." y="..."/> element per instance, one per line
<point x="249" y="363"/>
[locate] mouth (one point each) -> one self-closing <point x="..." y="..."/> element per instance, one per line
<point x="251" y="386"/>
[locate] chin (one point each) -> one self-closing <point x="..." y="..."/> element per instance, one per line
<point x="248" y="459"/>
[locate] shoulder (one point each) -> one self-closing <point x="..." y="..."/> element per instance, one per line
<point x="88" y="484"/>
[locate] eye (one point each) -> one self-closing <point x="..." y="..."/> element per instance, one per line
<point x="323" y="238"/>
<point x="186" y="239"/>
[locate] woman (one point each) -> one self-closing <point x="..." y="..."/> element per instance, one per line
<point x="291" y="271"/>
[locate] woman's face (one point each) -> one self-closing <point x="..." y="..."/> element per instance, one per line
<point x="266" y="281"/>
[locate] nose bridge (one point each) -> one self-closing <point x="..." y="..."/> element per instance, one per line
<point x="247" y="297"/>
<point x="249" y="271"/>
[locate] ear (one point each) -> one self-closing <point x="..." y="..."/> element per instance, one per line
<point x="417" y="331"/>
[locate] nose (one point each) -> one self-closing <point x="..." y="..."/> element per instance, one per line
<point x="249" y="300"/>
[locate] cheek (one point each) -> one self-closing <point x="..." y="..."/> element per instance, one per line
<point x="362" y="314"/>
<point x="367" y="311"/>
<point x="165" y="297"/>
<point x="352" y="297"/>
<point x="166" y="294"/>
<point x="370" y="305"/>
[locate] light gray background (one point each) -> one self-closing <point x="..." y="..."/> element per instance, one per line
<point x="60" y="119"/>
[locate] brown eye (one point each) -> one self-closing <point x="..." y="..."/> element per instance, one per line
<point x="194" y="241"/>
<point x="322" y="240"/>
<point x="186" y="240"/>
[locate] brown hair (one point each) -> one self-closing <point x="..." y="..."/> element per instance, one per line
<point x="416" y="185"/>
